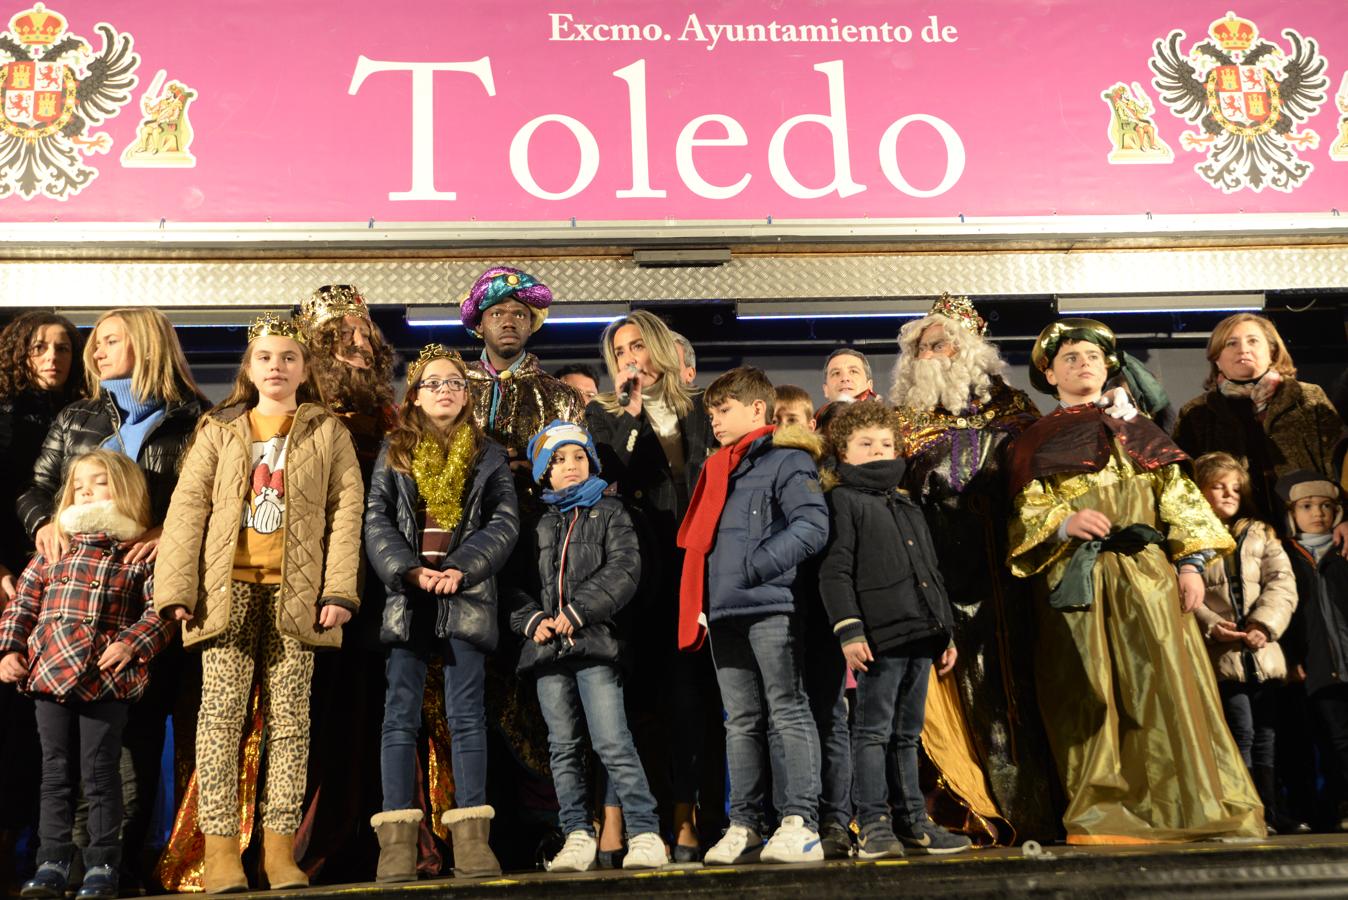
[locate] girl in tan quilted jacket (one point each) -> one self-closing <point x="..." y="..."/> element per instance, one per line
<point x="1248" y="604"/>
<point x="258" y="561"/>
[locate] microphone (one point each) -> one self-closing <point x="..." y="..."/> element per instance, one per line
<point x="627" y="387"/>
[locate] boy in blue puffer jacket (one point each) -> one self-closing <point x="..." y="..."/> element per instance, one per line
<point x="588" y="566"/>
<point x="757" y="513"/>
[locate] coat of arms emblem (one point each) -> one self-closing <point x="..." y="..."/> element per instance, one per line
<point x="53" y="90"/>
<point x="1248" y="96"/>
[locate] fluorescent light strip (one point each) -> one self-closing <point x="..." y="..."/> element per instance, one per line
<point x="1159" y="309"/>
<point x="1104" y="304"/>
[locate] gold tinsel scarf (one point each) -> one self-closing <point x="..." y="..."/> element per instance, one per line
<point x="441" y="478"/>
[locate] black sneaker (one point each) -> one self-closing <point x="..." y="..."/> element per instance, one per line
<point x="609" y="859"/>
<point x="100" y="883"/>
<point x="928" y="837"/>
<point x="49" y="881"/>
<point x="877" y="841"/>
<point x="836" y="839"/>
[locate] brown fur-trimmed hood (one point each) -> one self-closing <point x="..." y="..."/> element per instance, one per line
<point x="797" y="437"/>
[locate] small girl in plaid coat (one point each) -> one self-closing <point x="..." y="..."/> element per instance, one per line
<point x="76" y="637"/>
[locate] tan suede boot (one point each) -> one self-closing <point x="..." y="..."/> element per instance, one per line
<point x="397" y="831"/>
<point x="223" y="872"/>
<point x="472" y="855"/>
<point x="278" y="861"/>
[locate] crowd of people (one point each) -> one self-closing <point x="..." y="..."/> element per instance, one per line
<point x="511" y="619"/>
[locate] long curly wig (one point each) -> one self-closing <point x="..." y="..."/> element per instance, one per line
<point x="16" y="375"/>
<point x="347" y="388"/>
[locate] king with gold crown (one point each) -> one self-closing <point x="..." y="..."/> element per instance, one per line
<point x="982" y="730"/>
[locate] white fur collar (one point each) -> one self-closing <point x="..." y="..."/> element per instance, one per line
<point x="101" y="517"/>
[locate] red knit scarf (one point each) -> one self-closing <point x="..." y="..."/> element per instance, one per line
<point x="697" y="535"/>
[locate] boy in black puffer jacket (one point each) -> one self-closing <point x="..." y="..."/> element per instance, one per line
<point x="887" y="602"/>
<point x="588" y="566"/>
<point x="1317" y="639"/>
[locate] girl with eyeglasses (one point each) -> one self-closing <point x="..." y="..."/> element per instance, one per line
<point x="441" y="519"/>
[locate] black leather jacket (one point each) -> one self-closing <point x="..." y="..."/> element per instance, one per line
<point x="481" y="546"/>
<point x="601" y="565"/>
<point x="83" y="426"/>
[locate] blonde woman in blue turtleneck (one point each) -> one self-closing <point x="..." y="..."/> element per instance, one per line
<point x="144" y="404"/>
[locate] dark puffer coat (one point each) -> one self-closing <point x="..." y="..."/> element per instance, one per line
<point x="879" y="577"/>
<point x="773" y="520"/>
<point x="1317" y="637"/>
<point x="85" y="425"/>
<point x="594" y="552"/>
<point x="480" y="547"/>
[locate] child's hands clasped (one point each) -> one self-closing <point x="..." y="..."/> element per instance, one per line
<point x="433" y="581"/>
<point x="558" y="626"/>
<point x="1255" y="636"/>
<point x="116" y="656"/>
<point x="857" y="655"/>
<point x="13" y="667"/>
<point x="1227" y="632"/>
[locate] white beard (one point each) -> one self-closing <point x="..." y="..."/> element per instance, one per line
<point x="939" y="381"/>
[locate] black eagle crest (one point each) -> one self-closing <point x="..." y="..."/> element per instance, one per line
<point x="1254" y="158"/>
<point x="53" y="164"/>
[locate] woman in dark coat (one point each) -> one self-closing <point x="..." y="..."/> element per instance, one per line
<point x="1255" y="409"/>
<point x="144" y="404"/>
<point x="40" y="372"/>
<point x="652" y="447"/>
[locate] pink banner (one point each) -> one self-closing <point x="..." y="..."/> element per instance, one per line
<point x="419" y="111"/>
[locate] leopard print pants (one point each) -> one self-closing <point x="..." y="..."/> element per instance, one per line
<point x="227" y="676"/>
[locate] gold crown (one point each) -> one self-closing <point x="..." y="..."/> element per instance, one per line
<point x="333" y="301"/>
<point x="961" y="309"/>
<point x="38" y="26"/>
<point x="429" y="354"/>
<point x="271" y="324"/>
<point x="1233" y="32"/>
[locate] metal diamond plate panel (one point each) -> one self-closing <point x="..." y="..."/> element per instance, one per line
<point x="752" y="276"/>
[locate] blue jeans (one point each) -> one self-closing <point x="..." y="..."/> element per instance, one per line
<point x="465" y="681"/>
<point x="758" y="667"/>
<point x="891" y="702"/>
<point x="574" y="696"/>
<point x="826" y="686"/>
<point x="1252" y="714"/>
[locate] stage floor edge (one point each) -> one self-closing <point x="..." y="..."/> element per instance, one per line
<point x="1278" y="867"/>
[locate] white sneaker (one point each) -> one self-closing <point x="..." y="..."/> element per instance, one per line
<point x="739" y="844"/>
<point x="645" y="851"/>
<point x="576" y="855"/>
<point x="793" y="842"/>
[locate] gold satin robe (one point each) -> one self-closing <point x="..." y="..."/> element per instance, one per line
<point x="1126" y="690"/>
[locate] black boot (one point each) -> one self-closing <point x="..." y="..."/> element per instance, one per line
<point x="1266" y="784"/>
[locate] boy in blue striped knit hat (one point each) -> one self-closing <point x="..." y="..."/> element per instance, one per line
<point x="588" y="567"/>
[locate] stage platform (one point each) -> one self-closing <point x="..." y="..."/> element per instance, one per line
<point x="1280" y="867"/>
